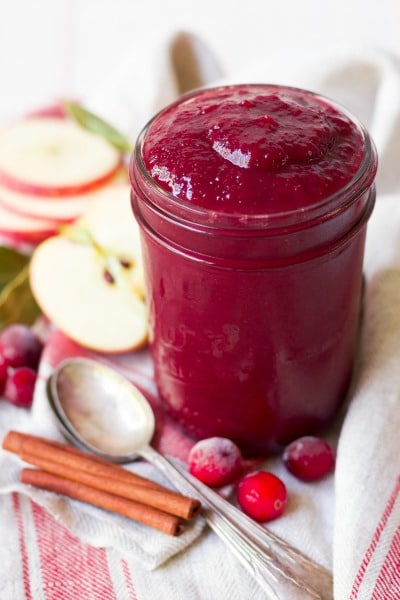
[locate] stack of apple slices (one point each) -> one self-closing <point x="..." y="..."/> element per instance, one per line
<point x="88" y="280"/>
<point x="50" y="169"/>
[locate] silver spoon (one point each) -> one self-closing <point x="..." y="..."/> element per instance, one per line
<point x="101" y="411"/>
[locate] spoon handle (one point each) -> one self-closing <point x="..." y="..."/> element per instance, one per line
<point x="272" y="562"/>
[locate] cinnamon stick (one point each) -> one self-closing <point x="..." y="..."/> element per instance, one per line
<point x="147" y="515"/>
<point x="75" y="465"/>
<point x="60" y="453"/>
<point x="163" y="499"/>
<point x="14" y="439"/>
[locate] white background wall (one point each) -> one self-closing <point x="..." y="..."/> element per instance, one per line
<point x="52" y="48"/>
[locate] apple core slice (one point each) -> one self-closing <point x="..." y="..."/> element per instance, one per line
<point x="70" y="284"/>
<point x="89" y="280"/>
<point x="54" y="157"/>
<point x="110" y="220"/>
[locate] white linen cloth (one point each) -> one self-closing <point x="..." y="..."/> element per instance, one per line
<point x="349" y="521"/>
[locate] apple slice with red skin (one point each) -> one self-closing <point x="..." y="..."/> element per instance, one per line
<point x="53" y="111"/>
<point x="20" y="228"/>
<point x="48" y="156"/>
<point x="88" y="281"/>
<point x="32" y="207"/>
<point x="59" y="209"/>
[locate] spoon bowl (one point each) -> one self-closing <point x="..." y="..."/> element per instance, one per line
<point x="101" y="411"/>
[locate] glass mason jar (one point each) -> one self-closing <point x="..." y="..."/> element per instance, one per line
<point x="254" y="318"/>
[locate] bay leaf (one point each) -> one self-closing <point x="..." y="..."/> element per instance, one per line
<point x="17" y="304"/>
<point x="11" y="263"/>
<point x="95" y="124"/>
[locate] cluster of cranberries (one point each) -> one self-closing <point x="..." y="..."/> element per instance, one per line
<point x="262" y="495"/>
<point x="20" y="351"/>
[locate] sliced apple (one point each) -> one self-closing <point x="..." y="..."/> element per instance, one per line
<point x="63" y="209"/>
<point x="109" y="217"/>
<point x="54" y="157"/>
<point x="69" y="282"/>
<point x="54" y="111"/>
<point x="23" y="228"/>
<point x="29" y="205"/>
<point x="88" y="281"/>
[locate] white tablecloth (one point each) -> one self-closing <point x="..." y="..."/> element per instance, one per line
<point x="349" y="521"/>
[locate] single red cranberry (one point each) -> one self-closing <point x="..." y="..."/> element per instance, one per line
<point x="216" y="461"/>
<point x="20" y="385"/>
<point x="3" y="374"/>
<point x="20" y="347"/>
<point x="262" y="495"/>
<point x="309" y="458"/>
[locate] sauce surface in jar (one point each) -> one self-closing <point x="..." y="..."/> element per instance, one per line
<point x="253" y="150"/>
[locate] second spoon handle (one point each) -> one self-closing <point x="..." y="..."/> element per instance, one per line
<point x="271" y="561"/>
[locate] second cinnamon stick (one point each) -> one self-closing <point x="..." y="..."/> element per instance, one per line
<point x="147" y="515"/>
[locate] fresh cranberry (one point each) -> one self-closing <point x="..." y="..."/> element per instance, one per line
<point x="3" y="374"/>
<point x="262" y="495"/>
<point x="216" y="461"/>
<point x="309" y="458"/>
<point x="20" y="385"/>
<point x="20" y="347"/>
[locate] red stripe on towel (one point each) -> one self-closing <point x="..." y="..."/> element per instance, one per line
<point x="388" y="582"/>
<point x="70" y="568"/>
<point x="22" y="544"/>
<point x="128" y="580"/>
<point x="374" y="542"/>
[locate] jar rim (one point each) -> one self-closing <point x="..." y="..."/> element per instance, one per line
<point x="182" y="209"/>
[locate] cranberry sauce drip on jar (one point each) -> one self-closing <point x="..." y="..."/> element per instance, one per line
<point x="253" y="149"/>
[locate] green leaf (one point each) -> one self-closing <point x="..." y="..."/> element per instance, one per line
<point x="17" y="304"/>
<point x="95" y="124"/>
<point x="11" y="263"/>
